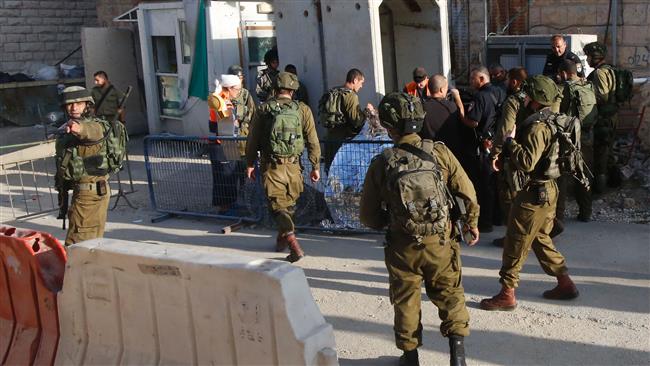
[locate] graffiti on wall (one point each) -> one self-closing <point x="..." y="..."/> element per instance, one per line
<point x="640" y="57"/>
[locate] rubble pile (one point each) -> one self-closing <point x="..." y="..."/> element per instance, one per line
<point x="629" y="203"/>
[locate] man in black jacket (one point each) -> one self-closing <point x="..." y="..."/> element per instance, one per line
<point x="559" y="53"/>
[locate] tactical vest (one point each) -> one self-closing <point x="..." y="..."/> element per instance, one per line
<point x="72" y="167"/>
<point x="582" y="102"/>
<point x="562" y="156"/>
<point x="285" y="136"/>
<point x="419" y="199"/>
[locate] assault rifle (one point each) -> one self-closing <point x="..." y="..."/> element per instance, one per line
<point x="65" y="186"/>
<point x="459" y="219"/>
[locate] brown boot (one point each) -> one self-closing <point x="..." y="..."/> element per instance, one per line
<point x="281" y="243"/>
<point x="295" y="250"/>
<point x="503" y="301"/>
<point x="565" y="289"/>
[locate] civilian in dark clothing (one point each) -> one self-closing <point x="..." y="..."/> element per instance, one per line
<point x="498" y="76"/>
<point x="559" y="53"/>
<point x="442" y="121"/>
<point x="480" y="120"/>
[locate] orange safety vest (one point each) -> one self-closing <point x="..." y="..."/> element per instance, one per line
<point x="220" y="107"/>
<point x="412" y="88"/>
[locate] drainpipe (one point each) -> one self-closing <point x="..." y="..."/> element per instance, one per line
<point x="321" y="39"/>
<point x="485" y="32"/>
<point x="614" y="29"/>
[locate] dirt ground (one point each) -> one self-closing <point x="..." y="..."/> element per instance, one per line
<point x="609" y="324"/>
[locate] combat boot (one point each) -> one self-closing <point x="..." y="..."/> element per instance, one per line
<point x="281" y="243"/>
<point x="409" y="358"/>
<point x="503" y="301"/>
<point x="565" y="289"/>
<point x="295" y="251"/>
<point x="457" y="350"/>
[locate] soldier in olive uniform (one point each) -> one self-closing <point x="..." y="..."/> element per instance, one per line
<point x="604" y="81"/>
<point x="107" y="98"/>
<point x="433" y="256"/>
<point x="89" y="183"/>
<point x="282" y="175"/>
<point x="513" y="111"/>
<point x="578" y="98"/>
<point x="244" y="106"/>
<point x="353" y="115"/>
<point x="533" y="210"/>
<point x="268" y="78"/>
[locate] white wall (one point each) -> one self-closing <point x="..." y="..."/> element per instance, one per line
<point x="352" y="40"/>
<point x="418" y="38"/>
<point x="111" y="50"/>
<point x="299" y="44"/>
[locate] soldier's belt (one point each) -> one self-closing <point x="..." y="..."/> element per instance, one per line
<point x="284" y="160"/>
<point x="87" y="186"/>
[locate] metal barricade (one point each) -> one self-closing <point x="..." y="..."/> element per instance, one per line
<point x="27" y="180"/>
<point x="200" y="176"/>
<point x="197" y="176"/>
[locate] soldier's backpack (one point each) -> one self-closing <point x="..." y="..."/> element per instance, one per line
<point x="582" y="103"/>
<point x="330" y="107"/>
<point x="624" y="82"/>
<point x="419" y="200"/>
<point x="564" y="156"/>
<point x="110" y="155"/>
<point x="286" y="139"/>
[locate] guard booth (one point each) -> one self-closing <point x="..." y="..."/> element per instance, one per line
<point x="385" y="39"/>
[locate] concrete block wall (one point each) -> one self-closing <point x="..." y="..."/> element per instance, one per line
<point x="109" y="9"/>
<point x="42" y="31"/>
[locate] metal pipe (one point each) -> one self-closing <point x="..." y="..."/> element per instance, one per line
<point x="614" y="30"/>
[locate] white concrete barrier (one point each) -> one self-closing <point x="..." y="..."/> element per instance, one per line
<point x="144" y="304"/>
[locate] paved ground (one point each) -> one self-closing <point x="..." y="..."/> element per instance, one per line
<point x="609" y="324"/>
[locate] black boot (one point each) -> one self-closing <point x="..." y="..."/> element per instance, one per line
<point x="457" y="350"/>
<point x="410" y="358"/>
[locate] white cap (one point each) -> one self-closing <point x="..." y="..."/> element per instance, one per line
<point x="228" y="81"/>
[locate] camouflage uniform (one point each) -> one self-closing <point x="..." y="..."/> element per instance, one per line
<point x="244" y="109"/>
<point x="88" y="210"/>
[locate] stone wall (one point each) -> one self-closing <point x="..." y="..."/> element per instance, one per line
<point x="590" y="17"/>
<point x="42" y="32"/>
<point x="107" y="10"/>
<point x="575" y="16"/>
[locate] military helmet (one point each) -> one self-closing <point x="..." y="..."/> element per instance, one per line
<point x="541" y="89"/>
<point x="271" y="55"/>
<point x="287" y="80"/>
<point x="401" y="111"/>
<point x="235" y="70"/>
<point x="595" y="49"/>
<point x="74" y="94"/>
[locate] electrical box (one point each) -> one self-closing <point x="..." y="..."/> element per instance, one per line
<point x="530" y="51"/>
